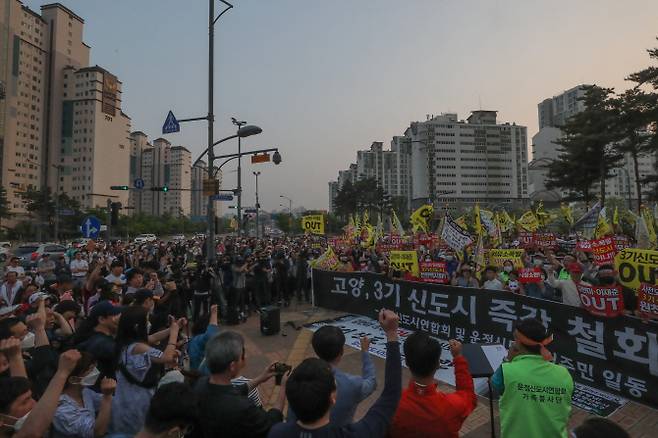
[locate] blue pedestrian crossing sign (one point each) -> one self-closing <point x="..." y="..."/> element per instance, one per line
<point x="222" y="197"/>
<point x="171" y="125"/>
<point x="138" y="183"/>
<point x="91" y="226"/>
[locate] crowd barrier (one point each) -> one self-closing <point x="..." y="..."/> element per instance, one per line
<point x="618" y="355"/>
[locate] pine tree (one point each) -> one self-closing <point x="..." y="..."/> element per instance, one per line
<point x="588" y="153"/>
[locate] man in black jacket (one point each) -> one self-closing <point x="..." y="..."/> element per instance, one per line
<point x="224" y="409"/>
<point x="311" y="392"/>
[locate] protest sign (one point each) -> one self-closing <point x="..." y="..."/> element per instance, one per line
<point x="603" y="251"/>
<point x="434" y="272"/>
<point x="530" y="275"/>
<point x="498" y="256"/>
<point x="601" y="300"/>
<point x="621" y="242"/>
<point x="525" y="239"/>
<point x="455" y="236"/>
<point x="637" y="266"/>
<point x="544" y="240"/>
<point x="647" y="300"/>
<point x="598" y="352"/>
<point x="313" y="224"/>
<point x="405" y="261"/>
<point x="584" y="246"/>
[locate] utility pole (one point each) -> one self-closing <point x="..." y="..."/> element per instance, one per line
<point x="257" y="174"/>
<point x="239" y="124"/>
<point x="210" y="238"/>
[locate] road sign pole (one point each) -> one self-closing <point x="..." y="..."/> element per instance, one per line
<point x="210" y="237"/>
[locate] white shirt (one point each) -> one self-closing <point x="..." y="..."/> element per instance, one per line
<point x="111" y="278"/>
<point x="8" y="294"/>
<point x="494" y="284"/>
<point x="81" y="266"/>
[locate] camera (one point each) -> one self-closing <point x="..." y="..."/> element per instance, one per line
<point x="280" y="369"/>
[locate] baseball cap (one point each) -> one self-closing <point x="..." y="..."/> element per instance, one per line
<point x="575" y="267"/>
<point x="104" y="309"/>
<point x="36" y="297"/>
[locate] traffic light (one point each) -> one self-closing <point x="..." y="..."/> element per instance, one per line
<point x="160" y="189"/>
<point x="119" y="188"/>
<point x="276" y="158"/>
<point x="114" y="216"/>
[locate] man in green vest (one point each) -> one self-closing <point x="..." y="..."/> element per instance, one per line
<point x="535" y="393"/>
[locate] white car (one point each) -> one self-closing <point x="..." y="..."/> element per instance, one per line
<point x="143" y="238"/>
<point x="178" y="237"/>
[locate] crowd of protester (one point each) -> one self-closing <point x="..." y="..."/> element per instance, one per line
<point x="121" y="340"/>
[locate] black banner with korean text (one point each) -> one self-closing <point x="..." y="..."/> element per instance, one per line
<point x="618" y="355"/>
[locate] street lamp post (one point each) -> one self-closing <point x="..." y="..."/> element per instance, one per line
<point x="239" y="124"/>
<point x="256" y="174"/>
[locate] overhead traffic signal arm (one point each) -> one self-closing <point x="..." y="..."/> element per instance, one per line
<point x="160" y="189"/>
<point x="119" y="188"/>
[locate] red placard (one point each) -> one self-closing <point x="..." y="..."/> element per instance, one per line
<point x="433" y="272"/>
<point x="530" y="275"/>
<point x="603" y="251"/>
<point x="647" y="300"/>
<point x="544" y="240"/>
<point x="423" y="240"/>
<point x="621" y="243"/>
<point x="525" y="239"/>
<point x="584" y="246"/>
<point x="601" y="300"/>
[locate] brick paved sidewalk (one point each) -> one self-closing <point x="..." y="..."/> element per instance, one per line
<point x="639" y="420"/>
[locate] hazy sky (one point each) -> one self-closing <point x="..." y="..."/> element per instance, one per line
<point x="325" y="78"/>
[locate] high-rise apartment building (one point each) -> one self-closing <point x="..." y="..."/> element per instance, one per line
<point x="178" y="201"/>
<point x="166" y="165"/>
<point x="66" y="51"/>
<point x="472" y="161"/>
<point x="138" y="143"/>
<point x="94" y="133"/>
<point x="24" y="46"/>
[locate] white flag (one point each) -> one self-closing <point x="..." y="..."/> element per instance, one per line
<point x="454" y="236"/>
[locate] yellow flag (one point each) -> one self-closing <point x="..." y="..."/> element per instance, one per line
<point x="233" y="224"/>
<point x="567" y="212"/>
<point x="478" y="221"/>
<point x="603" y="228"/>
<point x="366" y="217"/>
<point x="528" y="221"/>
<point x="420" y="219"/>
<point x="506" y="222"/>
<point x="397" y="225"/>
<point x="542" y="216"/>
<point x="313" y="224"/>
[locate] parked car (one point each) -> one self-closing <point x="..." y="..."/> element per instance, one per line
<point x="24" y="253"/>
<point x="143" y="238"/>
<point x="54" y="250"/>
<point x="178" y="237"/>
<point x="80" y="243"/>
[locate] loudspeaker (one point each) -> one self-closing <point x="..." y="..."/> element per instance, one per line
<point x="232" y="316"/>
<point x="270" y="320"/>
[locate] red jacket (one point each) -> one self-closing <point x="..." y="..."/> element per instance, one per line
<point x="426" y="412"/>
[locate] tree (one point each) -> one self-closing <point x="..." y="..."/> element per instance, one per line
<point x="635" y="109"/>
<point x="364" y="194"/>
<point x="648" y="77"/>
<point x="588" y="153"/>
<point x="345" y="200"/>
